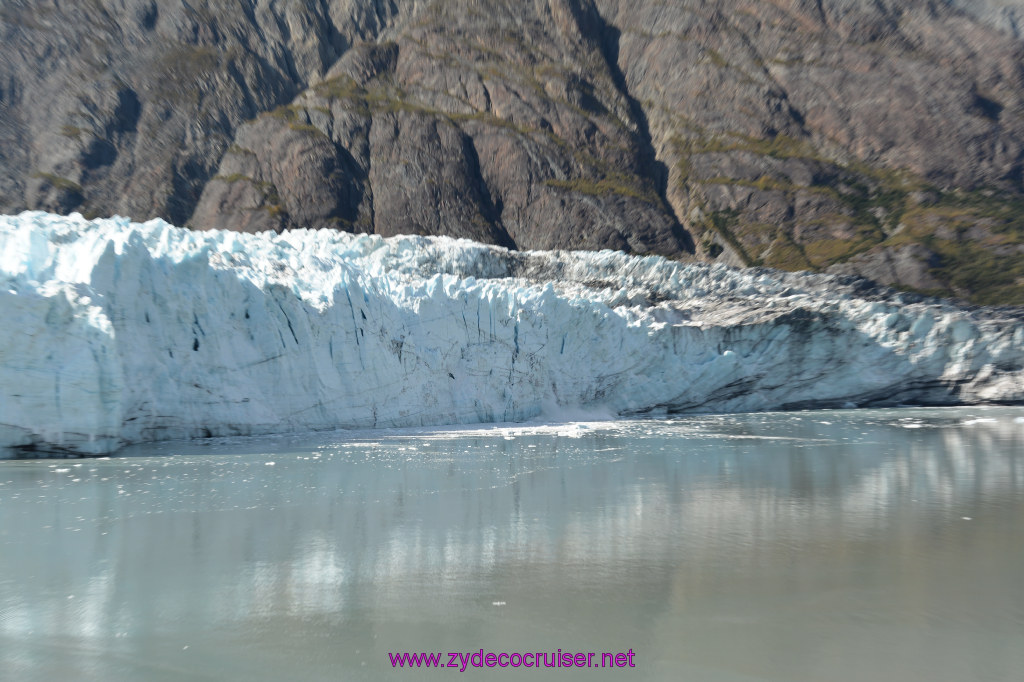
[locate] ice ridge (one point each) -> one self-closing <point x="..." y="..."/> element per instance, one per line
<point x="118" y="332"/>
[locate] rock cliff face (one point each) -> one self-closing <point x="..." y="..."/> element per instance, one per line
<point x="877" y="138"/>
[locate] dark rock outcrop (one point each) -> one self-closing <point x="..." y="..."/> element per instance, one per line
<point x="877" y="138"/>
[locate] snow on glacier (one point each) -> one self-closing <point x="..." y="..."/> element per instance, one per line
<point x="118" y="332"/>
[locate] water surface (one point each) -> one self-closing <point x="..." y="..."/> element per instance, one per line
<point x="857" y="545"/>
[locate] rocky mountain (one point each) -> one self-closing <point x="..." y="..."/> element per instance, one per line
<point x="878" y="138"/>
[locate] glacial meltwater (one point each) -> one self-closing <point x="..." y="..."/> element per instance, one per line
<point x="803" y="546"/>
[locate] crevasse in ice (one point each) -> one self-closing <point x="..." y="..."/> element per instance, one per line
<point x="117" y="332"/>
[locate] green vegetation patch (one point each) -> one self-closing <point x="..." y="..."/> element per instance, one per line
<point x="57" y="182"/>
<point x="296" y="118"/>
<point x="604" y="187"/>
<point x="978" y="237"/>
<point x="779" y="146"/>
<point x="73" y="132"/>
<point x="236" y="177"/>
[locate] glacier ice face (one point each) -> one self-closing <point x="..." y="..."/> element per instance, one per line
<point x="117" y="332"/>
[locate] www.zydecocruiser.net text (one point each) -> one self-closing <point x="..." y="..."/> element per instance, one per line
<point x="462" y="660"/>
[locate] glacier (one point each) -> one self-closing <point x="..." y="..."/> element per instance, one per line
<point x="118" y="332"/>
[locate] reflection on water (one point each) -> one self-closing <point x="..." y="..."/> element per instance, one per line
<point x="802" y="546"/>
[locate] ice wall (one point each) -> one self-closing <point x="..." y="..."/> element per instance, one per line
<point x="116" y="332"/>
